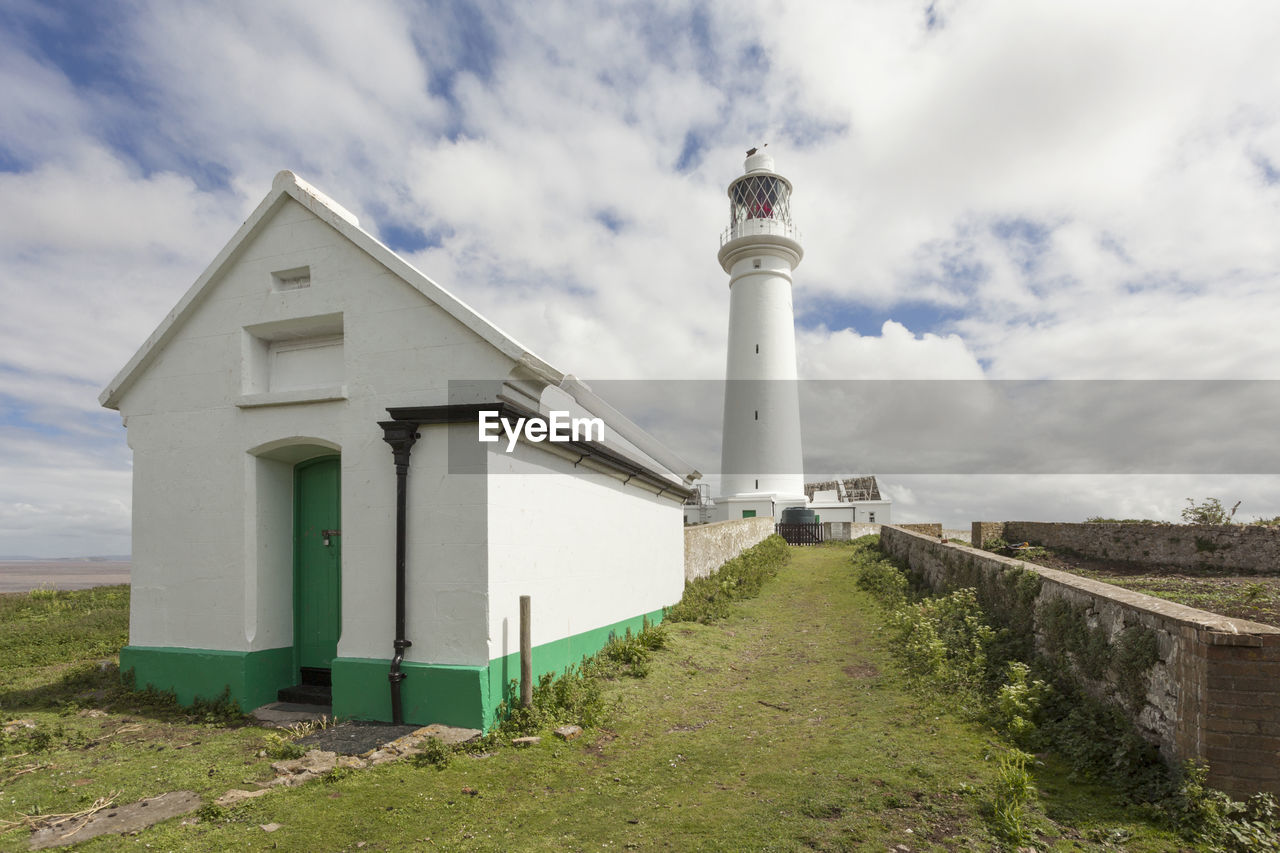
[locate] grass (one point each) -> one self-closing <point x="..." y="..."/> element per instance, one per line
<point x="782" y="726"/>
<point x="1255" y="597"/>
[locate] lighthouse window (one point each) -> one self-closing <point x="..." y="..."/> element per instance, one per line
<point x="757" y="196"/>
<point x="755" y="263"/>
<point x="757" y="414"/>
<point x="757" y="349"/>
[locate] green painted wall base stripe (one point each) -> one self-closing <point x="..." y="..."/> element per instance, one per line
<point x="431" y="693"/>
<point x="555" y="657"/>
<point x="459" y="695"/>
<point x="254" y="677"/>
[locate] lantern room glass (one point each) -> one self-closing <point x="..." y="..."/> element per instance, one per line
<point x="760" y="197"/>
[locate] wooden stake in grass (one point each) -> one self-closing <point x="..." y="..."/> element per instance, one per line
<point x="526" y="653"/>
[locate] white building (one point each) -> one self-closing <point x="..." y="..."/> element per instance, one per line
<point x="855" y="500"/>
<point x="297" y="443"/>
<point x="762" y="466"/>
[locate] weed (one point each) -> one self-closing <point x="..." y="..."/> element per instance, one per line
<point x="629" y="655"/>
<point x="1211" y="511"/>
<point x="941" y="642"/>
<point x="434" y="754"/>
<point x="210" y="812"/>
<point x="280" y="747"/>
<point x="44" y="593"/>
<point x="302" y="728"/>
<point x="1011" y="793"/>
<point x="1218" y="822"/>
<point x="337" y="774"/>
<point x="882" y="579"/>
<point x="223" y="710"/>
<point x="1017" y="703"/>
<point x="1135" y="653"/>
<point x="1097" y="519"/>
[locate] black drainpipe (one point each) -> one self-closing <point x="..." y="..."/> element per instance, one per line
<point x="400" y="435"/>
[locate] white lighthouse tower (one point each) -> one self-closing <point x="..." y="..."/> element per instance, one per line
<point x="762" y="469"/>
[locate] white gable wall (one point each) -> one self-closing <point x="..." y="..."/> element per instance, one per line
<point x="212" y="561"/>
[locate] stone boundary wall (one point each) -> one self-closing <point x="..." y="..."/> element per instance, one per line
<point x="927" y="529"/>
<point x="846" y="531"/>
<point x="708" y="546"/>
<point x="1245" y="548"/>
<point x="1209" y="690"/>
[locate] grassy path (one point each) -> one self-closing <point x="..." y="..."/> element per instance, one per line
<point x="780" y="728"/>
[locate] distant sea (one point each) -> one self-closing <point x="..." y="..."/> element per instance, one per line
<point x="26" y="575"/>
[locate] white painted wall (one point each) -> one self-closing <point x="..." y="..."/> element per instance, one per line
<point x="728" y="509"/>
<point x="761" y="450"/>
<point x="212" y="548"/>
<point x="216" y="433"/>
<point x="588" y="550"/>
<point x="853" y="511"/>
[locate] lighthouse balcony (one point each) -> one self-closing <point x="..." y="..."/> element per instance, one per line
<point x="759" y="227"/>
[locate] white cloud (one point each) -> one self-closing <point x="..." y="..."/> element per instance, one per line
<point x="893" y="354"/>
<point x="1089" y="191"/>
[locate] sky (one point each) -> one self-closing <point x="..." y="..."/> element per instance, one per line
<point x="987" y="190"/>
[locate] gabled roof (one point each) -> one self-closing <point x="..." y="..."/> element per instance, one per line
<point x="285" y="186"/>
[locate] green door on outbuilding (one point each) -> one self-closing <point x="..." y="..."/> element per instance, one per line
<point x="317" y="561"/>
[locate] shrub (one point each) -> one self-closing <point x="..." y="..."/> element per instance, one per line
<point x="883" y="580"/>
<point x="708" y="598"/>
<point x="944" y="640"/>
<point x="1211" y="511"/>
<point x="574" y="696"/>
<point x="280" y="747"/>
<point x="1017" y="703"/>
<point x="628" y="654"/>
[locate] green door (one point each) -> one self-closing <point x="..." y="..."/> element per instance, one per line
<point x="317" y="561"/>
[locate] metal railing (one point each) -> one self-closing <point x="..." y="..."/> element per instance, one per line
<point x="759" y="226"/>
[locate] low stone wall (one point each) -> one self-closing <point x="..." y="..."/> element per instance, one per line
<point x="708" y="546"/>
<point x="845" y="531"/>
<point x="927" y="529"/>
<point x="1196" y="684"/>
<point x="1245" y="548"/>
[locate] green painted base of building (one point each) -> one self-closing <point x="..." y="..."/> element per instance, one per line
<point x="430" y="693"/>
<point x="252" y="677"/>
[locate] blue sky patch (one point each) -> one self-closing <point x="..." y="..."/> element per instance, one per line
<point x="690" y="152"/>
<point x="610" y="219"/>
<point x="834" y="314"/>
<point x="409" y="238"/>
<point x="1270" y="174"/>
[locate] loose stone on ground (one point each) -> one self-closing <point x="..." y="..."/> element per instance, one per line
<point x="119" y="820"/>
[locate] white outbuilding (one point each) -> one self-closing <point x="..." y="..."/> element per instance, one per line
<point x="313" y="506"/>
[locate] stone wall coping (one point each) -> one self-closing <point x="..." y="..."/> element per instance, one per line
<point x="1168" y="610"/>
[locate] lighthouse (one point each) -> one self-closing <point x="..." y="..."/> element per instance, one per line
<point x="762" y="469"/>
